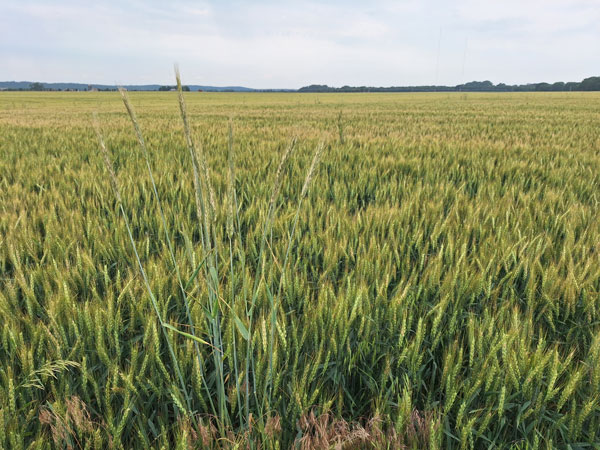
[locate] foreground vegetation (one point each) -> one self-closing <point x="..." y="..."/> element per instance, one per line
<point x="429" y="277"/>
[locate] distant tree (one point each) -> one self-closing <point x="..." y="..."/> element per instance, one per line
<point x="590" y="84"/>
<point x="316" y="88"/>
<point x="542" y="87"/>
<point x="36" y="86"/>
<point x="572" y="86"/>
<point x="479" y="86"/>
<point x="172" y="88"/>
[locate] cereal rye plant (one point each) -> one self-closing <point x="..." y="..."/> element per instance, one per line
<point x="221" y="358"/>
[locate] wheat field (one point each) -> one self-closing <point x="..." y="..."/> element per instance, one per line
<point x="300" y="270"/>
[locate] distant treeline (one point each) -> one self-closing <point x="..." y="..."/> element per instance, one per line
<point x="39" y="86"/>
<point x="57" y="87"/>
<point x="588" y="84"/>
<point x="174" y="88"/>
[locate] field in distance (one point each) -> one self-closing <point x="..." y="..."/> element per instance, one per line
<point x="441" y="287"/>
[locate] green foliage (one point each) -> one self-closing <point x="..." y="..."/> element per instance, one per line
<point x="36" y="86"/>
<point x="430" y="277"/>
<point x="172" y="88"/>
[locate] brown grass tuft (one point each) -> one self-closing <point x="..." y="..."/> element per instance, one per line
<point x="325" y="432"/>
<point x="70" y="428"/>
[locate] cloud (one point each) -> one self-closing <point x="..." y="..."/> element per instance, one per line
<point x="290" y="44"/>
<point x="534" y="16"/>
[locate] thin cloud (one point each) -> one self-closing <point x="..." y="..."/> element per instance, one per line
<point x="290" y="44"/>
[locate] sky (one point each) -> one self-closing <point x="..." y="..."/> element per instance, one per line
<point x="290" y="44"/>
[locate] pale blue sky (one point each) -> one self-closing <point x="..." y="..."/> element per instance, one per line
<point x="279" y="44"/>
